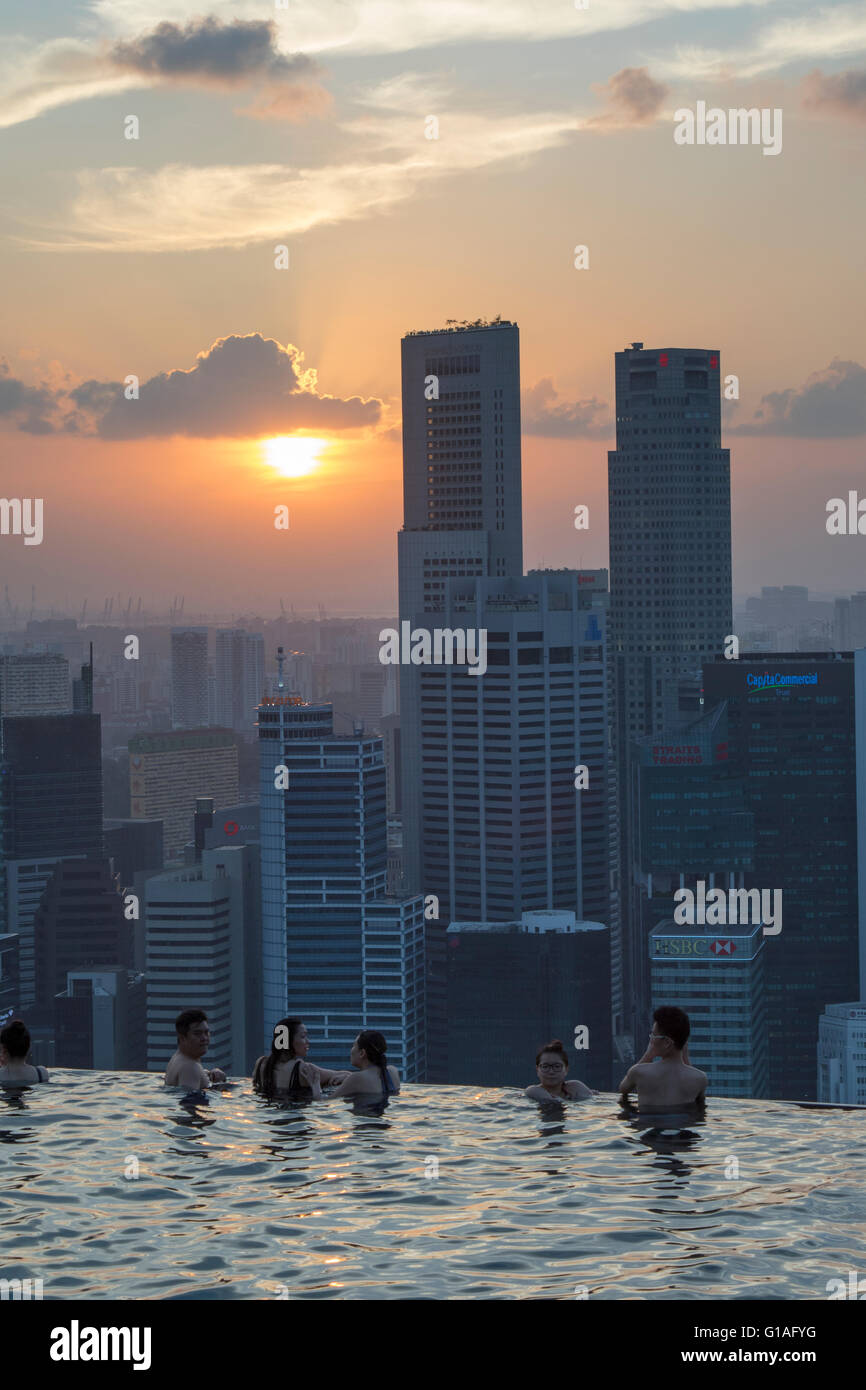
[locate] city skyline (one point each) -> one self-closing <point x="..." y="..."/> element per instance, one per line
<point x="311" y="135"/>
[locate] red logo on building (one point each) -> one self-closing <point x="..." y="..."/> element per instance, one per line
<point x="714" y="361"/>
<point x="231" y="827"/>
<point x="663" y="359"/>
<point x="722" y="948"/>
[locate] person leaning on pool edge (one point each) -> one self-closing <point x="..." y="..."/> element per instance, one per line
<point x="551" y="1064"/>
<point x="285" y="1069"/>
<point x="193" y="1041"/>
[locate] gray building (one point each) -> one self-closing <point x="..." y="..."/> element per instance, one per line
<point x="461" y="493"/>
<point x="240" y="677"/>
<point x="189" y="678"/>
<point x="670" y="561"/>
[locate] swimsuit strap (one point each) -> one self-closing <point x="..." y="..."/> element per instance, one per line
<point x="294" y="1084"/>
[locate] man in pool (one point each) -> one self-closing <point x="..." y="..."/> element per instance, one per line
<point x="193" y="1041"/>
<point x="671" y="1083"/>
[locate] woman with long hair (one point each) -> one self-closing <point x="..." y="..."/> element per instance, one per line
<point x="285" y="1069"/>
<point x="15" y="1070"/>
<point x="375" y="1077"/>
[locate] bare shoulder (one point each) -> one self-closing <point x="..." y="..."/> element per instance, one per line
<point x="394" y="1075"/>
<point x="578" y="1090"/>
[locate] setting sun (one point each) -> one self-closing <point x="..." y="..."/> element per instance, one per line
<point x="292" y="455"/>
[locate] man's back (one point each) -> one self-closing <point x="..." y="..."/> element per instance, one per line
<point x="667" y="1084"/>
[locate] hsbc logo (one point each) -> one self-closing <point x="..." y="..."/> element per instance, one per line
<point x="722" y="948"/>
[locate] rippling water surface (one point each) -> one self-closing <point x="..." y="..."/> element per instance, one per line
<point x="238" y="1199"/>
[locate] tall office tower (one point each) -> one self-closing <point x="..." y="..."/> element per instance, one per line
<point x="134" y="845"/>
<point x="791" y="743"/>
<point x="79" y="922"/>
<point x="82" y="688"/>
<point x="690" y="822"/>
<point x="842" y="1054"/>
<point x="51" y="809"/>
<point x="462" y="510"/>
<point x="336" y="950"/>
<point x="168" y="772"/>
<point x="240" y="676"/>
<point x="718" y="976"/>
<point x="201" y="952"/>
<point x="670" y="563"/>
<point x="189" y="678"/>
<point x="100" y="1020"/>
<point x="514" y="986"/>
<point x="34" y="683"/>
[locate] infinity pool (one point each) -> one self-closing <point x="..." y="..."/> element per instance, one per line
<point x="451" y="1193"/>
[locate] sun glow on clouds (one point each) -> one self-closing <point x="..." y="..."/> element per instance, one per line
<point x="293" y="455"/>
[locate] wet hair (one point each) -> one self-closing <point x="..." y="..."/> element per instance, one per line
<point x="674" y="1023"/>
<point x="15" y="1037"/>
<point x="375" y="1046"/>
<point x="555" y="1047"/>
<point x="265" y="1078"/>
<point x="186" y="1018"/>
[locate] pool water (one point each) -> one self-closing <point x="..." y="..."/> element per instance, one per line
<point x="114" y="1188"/>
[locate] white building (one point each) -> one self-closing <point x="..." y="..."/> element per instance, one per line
<point x="842" y="1054"/>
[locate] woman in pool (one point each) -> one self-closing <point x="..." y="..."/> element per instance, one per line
<point x="374" y="1078"/>
<point x="551" y="1064"/>
<point x="285" y="1069"/>
<point x="15" y="1070"/>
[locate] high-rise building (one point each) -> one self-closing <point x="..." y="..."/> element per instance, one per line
<point x="169" y="771"/>
<point x="514" y="986"/>
<point x="791" y="744"/>
<point x="717" y="976"/>
<point x="53" y="764"/>
<point x="670" y="563"/>
<point x="133" y="845"/>
<point x="849" y="622"/>
<point x="10" y="990"/>
<point x="462" y="510"/>
<point x="202" y="936"/>
<point x="189" y="678"/>
<point x="240" y="675"/>
<point x="100" y="1020"/>
<point x="336" y="950"/>
<point x="34" y="683"/>
<point x="79" y="923"/>
<point x="842" y="1054"/>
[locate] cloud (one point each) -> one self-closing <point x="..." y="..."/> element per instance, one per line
<point x="830" y="405"/>
<point x="240" y="387"/>
<point x="204" y="52"/>
<point x="832" y="32"/>
<point x="633" y="98"/>
<point x="841" y="93"/>
<point x="204" y="207"/>
<point x="543" y="413"/>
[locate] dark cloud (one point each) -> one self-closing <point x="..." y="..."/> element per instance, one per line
<point x="241" y="387"/>
<point x="842" y="93"/>
<point x="830" y="405"/>
<point x="230" y="53"/>
<point x="543" y="413"/>
<point x="632" y="96"/>
<point x="235" y="54"/>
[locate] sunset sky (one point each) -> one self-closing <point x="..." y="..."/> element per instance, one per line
<point x="306" y="127"/>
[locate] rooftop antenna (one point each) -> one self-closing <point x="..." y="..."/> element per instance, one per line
<point x="281" y="656"/>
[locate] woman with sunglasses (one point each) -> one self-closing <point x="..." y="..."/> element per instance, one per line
<point x="551" y="1064"/>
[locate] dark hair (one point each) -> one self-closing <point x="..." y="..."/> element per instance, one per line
<point x="375" y="1046"/>
<point x="186" y="1018"/>
<point x="265" y="1078"/>
<point x="674" y="1023"/>
<point x="555" y="1046"/>
<point x="15" y="1037"/>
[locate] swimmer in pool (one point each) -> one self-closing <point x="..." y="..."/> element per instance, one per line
<point x="15" y="1070"/>
<point x="193" y="1041"/>
<point x="551" y="1064"/>
<point x="375" y="1079"/>
<point x="671" y="1083"/>
<point x="285" y="1070"/>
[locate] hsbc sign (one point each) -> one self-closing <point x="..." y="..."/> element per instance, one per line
<point x="721" y="947"/>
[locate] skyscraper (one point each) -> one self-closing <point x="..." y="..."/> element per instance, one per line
<point x="189" y="678"/>
<point x="670" y="562"/>
<point x="34" y="683"/>
<point x="240" y="674"/>
<point x="461" y="493"/>
<point x="79" y="923"/>
<point x="169" y="771"/>
<point x="337" y="951"/>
